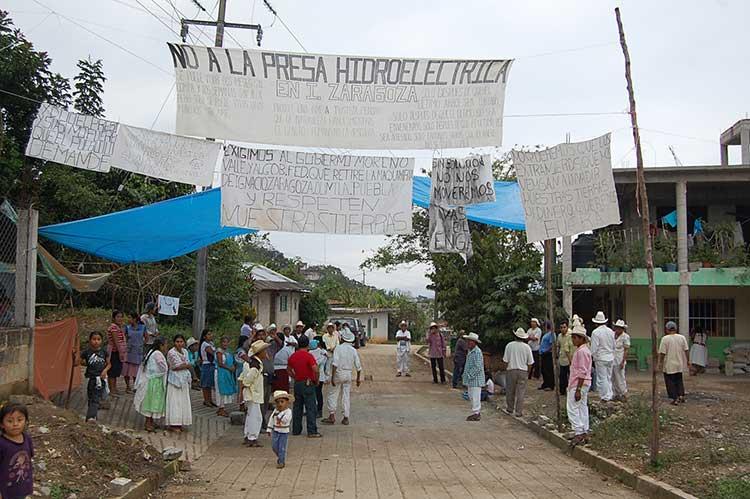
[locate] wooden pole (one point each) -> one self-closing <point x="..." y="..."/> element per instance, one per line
<point x="70" y="380"/>
<point x="642" y="198"/>
<point x="549" y="263"/>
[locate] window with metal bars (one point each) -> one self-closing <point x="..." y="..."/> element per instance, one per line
<point x="715" y="315"/>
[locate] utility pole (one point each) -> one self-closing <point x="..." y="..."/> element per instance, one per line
<point x="201" y="269"/>
<point x="549" y="263"/>
<point x="642" y="199"/>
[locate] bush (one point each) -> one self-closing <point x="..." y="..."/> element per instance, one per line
<point x="732" y="488"/>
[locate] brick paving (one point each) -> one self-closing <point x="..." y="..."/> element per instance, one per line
<point x="408" y="439"/>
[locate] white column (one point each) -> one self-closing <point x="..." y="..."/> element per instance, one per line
<point x="682" y="257"/>
<point x="745" y="145"/>
<point x="567" y="268"/>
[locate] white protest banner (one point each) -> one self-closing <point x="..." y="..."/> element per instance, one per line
<point x="72" y="139"/>
<point x="567" y="189"/>
<point x="449" y="231"/>
<point x="352" y="102"/>
<point x="312" y="192"/>
<point x="461" y="182"/>
<point x="168" y="305"/>
<point x="166" y="156"/>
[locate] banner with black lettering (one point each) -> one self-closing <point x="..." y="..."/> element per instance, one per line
<point x="72" y="139"/>
<point x="449" y="231"/>
<point x="294" y="191"/>
<point x="351" y="102"/>
<point x="166" y="156"/>
<point x="462" y="181"/>
<point x="567" y="189"/>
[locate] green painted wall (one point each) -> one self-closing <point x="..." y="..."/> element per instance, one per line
<point x="735" y="276"/>
<point x="642" y="347"/>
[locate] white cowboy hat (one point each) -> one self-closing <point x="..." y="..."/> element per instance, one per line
<point x="600" y="318"/>
<point x="472" y="337"/>
<point x="286" y="326"/>
<point x="534" y="319"/>
<point x="330" y="324"/>
<point x="347" y="336"/>
<point x="191" y="341"/>
<point x="576" y="321"/>
<point x="621" y="323"/>
<point x="300" y="323"/>
<point x="521" y="333"/>
<point x="258" y="346"/>
<point x="272" y="326"/>
<point x="433" y="324"/>
<point x="402" y="323"/>
<point x="282" y="394"/>
<point x="259" y="327"/>
<point x="291" y="340"/>
<point x="579" y="331"/>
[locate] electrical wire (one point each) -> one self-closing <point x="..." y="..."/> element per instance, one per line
<point x="30" y="30"/>
<point x="70" y="20"/>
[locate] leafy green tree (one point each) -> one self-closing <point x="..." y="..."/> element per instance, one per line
<point x="313" y="307"/>
<point x="89" y="86"/>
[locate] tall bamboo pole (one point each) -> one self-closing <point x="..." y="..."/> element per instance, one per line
<point x="549" y="264"/>
<point x="647" y="241"/>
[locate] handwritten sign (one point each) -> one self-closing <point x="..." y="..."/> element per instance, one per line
<point x="72" y="139"/>
<point x="460" y="182"/>
<point x="166" y="156"/>
<point x="567" y="189"/>
<point x="351" y="102"/>
<point x="449" y="231"/>
<point x="312" y="192"/>
<point x="168" y="305"/>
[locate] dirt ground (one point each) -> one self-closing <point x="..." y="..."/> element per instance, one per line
<point x="75" y="458"/>
<point x="705" y="443"/>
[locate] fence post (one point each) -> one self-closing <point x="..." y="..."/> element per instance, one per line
<point x="25" y="310"/>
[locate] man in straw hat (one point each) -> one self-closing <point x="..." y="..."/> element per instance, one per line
<point x="622" y="346"/>
<point x="403" y="348"/>
<point x="473" y="378"/>
<point x="535" y="337"/>
<point x="345" y="361"/>
<point x="252" y="394"/>
<point x="603" y="354"/>
<point x="331" y="337"/>
<point x="579" y="384"/>
<point x="519" y="359"/>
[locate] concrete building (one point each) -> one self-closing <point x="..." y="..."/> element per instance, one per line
<point x="718" y="299"/>
<point x="374" y="320"/>
<point x="276" y="297"/>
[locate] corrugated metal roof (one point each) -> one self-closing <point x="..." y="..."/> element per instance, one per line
<point x="266" y="279"/>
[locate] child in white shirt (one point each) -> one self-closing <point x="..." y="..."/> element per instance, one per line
<point x="278" y="425"/>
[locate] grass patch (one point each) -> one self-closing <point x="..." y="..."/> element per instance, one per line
<point x="629" y="428"/>
<point x="732" y="488"/>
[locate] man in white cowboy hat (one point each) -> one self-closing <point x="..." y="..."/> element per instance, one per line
<point x="473" y="377"/>
<point x="579" y="384"/>
<point x="603" y="354"/>
<point x="345" y="361"/>
<point x="331" y="337"/>
<point x="299" y="329"/>
<point x="622" y="346"/>
<point x="519" y="359"/>
<point x="252" y="393"/>
<point x="403" y="349"/>
<point x="281" y="363"/>
<point x="535" y="337"/>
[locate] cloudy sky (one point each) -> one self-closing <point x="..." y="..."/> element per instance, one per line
<point x="690" y="67"/>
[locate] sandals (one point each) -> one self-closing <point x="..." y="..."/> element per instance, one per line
<point x="222" y="412"/>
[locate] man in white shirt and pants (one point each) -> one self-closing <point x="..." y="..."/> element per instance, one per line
<point x="403" y="347"/>
<point x="345" y="360"/>
<point x="603" y="354"/>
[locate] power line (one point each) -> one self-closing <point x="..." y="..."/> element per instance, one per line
<point x="70" y="20"/>
<point x="29" y="31"/>
<point x="549" y="115"/>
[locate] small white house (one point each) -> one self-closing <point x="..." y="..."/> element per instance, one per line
<point x="374" y="320"/>
<point x="276" y="297"/>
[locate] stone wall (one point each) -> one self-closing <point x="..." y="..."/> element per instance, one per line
<point x="15" y="348"/>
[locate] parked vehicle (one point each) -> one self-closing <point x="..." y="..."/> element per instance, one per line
<point x="356" y="327"/>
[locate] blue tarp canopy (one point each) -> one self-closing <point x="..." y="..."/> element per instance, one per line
<point x="505" y="212"/>
<point x="151" y="233"/>
<point x="175" y="227"/>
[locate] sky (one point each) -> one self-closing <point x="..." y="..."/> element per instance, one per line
<point x="689" y="62"/>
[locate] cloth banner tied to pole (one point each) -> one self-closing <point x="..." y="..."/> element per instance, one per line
<point x="168" y="305"/>
<point x="166" y="156"/>
<point x="72" y="139"/>
<point x="294" y="191"/>
<point x="567" y="189"/>
<point x="351" y="102"/>
<point x="449" y="231"/>
<point x="461" y="182"/>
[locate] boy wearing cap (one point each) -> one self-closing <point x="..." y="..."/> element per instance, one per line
<point x="519" y="359"/>
<point x="673" y="360"/>
<point x="473" y="378"/>
<point x="579" y="384"/>
<point x="403" y="347"/>
<point x="278" y="425"/>
<point x="622" y="346"/>
<point x="535" y="337"/>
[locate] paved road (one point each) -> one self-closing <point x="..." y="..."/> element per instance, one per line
<point x="408" y="439"/>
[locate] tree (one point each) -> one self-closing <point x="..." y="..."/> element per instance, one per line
<point x="313" y="307"/>
<point x="89" y="85"/>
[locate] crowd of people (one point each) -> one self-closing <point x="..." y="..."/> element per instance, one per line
<point x="268" y="370"/>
